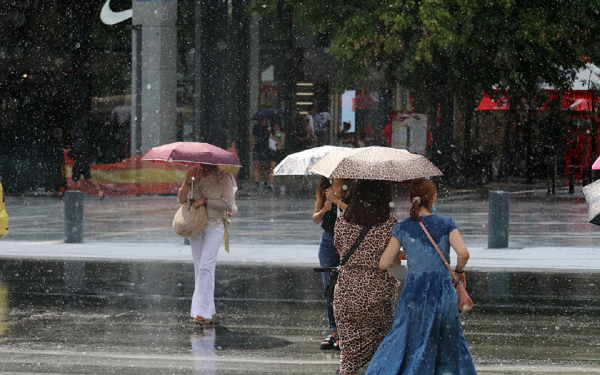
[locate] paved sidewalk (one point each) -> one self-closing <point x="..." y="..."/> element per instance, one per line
<point x="482" y="259"/>
<point x="546" y="232"/>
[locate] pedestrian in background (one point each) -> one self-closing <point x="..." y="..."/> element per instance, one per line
<point x="310" y="116"/>
<point x="216" y="190"/>
<point x="80" y="154"/>
<point x="277" y="155"/>
<point x="426" y="337"/>
<point x="365" y="296"/>
<point x="259" y="144"/>
<point x="306" y="138"/>
<point x="331" y="200"/>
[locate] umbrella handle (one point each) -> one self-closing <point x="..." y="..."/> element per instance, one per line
<point x="191" y="192"/>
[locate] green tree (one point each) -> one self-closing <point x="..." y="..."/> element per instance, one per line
<point x="464" y="47"/>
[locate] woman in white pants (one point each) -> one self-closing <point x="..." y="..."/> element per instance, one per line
<point x="216" y="190"/>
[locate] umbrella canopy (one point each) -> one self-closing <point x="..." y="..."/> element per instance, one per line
<point x="270" y="113"/>
<point x="375" y="163"/>
<point x="298" y="163"/>
<point x="592" y="196"/>
<point x="192" y="152"/>
<point x="596" y="165"/>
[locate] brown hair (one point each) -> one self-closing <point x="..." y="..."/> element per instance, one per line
<point x="369" y="203"/>
<point x="208" y="168"/>
<point x="420" y="194"/>
<point x="324" y="184"/>
<point x="349" y="185"/>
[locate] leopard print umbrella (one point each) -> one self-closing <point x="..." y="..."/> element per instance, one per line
<point x="375" y="163"/>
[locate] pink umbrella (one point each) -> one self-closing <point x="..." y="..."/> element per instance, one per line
<point x="596" y="165"/>
<point x="192" y="152"/>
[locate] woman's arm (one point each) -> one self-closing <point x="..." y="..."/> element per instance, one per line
<point x="320" y="209"/>
<point x="183" y="192"/>
<point x="462" y="253"/>
<point x="185" y="186"/>
<point x="331" y="196"/>
<point x="390" y="254"/>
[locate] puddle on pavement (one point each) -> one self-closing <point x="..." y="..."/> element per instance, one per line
<point x="142" y="309"/>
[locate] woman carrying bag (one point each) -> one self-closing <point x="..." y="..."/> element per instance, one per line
<point x="365" y="296"/>
<point x="426" y="337"/>
<point x="216" y="191"/>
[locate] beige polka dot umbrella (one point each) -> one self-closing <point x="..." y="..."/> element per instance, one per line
<point x="375" y="163"/>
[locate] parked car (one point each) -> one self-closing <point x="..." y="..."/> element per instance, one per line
<point x="3" y="215"/>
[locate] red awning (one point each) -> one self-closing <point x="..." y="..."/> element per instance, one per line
<point x="489" y="104"/>
<point x="574" y="100"/>
<point x="580" y="100"/>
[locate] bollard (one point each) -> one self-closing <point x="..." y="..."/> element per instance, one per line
<point x="571" y="179"/>
<point x="73" y="216"/>
<point x="498" y="220"/>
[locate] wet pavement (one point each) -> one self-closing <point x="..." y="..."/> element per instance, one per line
<point x="72" y="316"/>
<point x="536" y="219"/>
<point x="105" y="318"/>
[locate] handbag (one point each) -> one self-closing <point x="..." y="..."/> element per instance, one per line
<point x="465" y="303"/>
<point x="334" y="272"/>
<point x="189" y="221"/>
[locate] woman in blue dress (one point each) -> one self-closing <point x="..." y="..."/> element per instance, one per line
<point x="426" y="337"/>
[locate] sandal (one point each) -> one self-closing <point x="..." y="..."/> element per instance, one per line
<point x="101" y="195"/>
<point x="332" y="342"/>
<point x="203" y="321"/>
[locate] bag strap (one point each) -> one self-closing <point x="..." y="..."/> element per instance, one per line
<point x="438" y="250"/>
<point x="355" y="245"/>
<point x="220" y="177"/>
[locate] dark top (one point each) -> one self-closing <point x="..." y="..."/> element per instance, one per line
<point x="328" y="223"/>
<point x="80" y="153"/>
<point x="261" y="137"/>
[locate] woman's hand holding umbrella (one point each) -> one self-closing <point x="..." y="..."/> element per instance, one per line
<point x="192" y="172"/>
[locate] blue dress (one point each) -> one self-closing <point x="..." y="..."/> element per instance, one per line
<point x="426" y="337"/>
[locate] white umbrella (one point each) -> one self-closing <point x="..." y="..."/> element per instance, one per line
<point x="375" y="163"/>
<point x="298" y="163"/>
<point x="592" y="197"/>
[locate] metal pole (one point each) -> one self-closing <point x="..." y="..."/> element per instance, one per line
<point x="254" y="77"/>
<point x="136" y="90"/>
<point x="571" y="179"/>
<point x="554" y="174"/>
<point x="498" y="220"/>
<point x="198" y="51"/>
<point x="73" y="216"/>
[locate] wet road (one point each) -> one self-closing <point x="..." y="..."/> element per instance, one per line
<point x="536" y="219"/>
<point x="75" y="317"/>
<point x="106" y="318"/>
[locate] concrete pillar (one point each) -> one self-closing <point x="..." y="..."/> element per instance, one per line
<point x="73" y="216"/>
<point x="157" y="19"/>
<point x="498" y="220"/>
<point x="254" y="76"/>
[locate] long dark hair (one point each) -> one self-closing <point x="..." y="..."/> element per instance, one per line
<point x="421" y="193"/>
<point x="369" y="203"/>
<point x="324" y="184"/>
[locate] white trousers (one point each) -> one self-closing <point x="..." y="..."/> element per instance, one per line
<point x="205" y="248"/>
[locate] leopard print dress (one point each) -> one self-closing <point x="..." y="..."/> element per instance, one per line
<point x="365" y="296"/>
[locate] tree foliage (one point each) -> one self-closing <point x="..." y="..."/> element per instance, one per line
<point x="469" y="45"/>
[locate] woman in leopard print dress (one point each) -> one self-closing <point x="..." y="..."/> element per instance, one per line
<point x="365" y="296"/>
